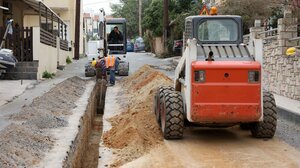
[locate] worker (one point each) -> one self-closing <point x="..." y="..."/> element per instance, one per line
<point x="94" y="62"/>
<point x="210" y="56"/>
<point x="110" y="62"/>
<point x="115" y="36"/>
<point x="101" y="69"/>
<point x="213" y="11"/>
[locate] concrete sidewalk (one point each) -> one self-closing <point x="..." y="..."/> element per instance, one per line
<point x="289" y="108"/>
<point x="11" y="89"/>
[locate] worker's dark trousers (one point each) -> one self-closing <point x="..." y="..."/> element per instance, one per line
<point x="112" y="77"/>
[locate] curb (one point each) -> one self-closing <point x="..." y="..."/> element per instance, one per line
<point x="288" y="115"/>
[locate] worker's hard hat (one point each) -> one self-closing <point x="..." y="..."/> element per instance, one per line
<point x="213" y="11"/>
<point x="292" y="51"/>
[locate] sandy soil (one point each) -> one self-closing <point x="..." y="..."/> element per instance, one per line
<point x="135" y="131"/>
<point x="23" y="143"/>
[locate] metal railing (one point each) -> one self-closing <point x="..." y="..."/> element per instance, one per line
<point x="269" y="34"/>
<point x="296" y="39"/>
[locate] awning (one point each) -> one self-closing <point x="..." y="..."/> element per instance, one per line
<point x="44" y="10"/>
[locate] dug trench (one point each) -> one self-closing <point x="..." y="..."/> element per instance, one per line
<point x="84" y="151"/>
<point x="128" y="123"/>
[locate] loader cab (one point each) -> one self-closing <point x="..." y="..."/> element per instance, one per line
<point x="116" y="46"/>
<point x="220" y="29"/>
<point x="220" y="34"/>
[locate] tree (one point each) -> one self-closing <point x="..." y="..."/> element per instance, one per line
<point x="128" y="9"/>
<point x="249" y="10"/>
<point x="153" y="19"/>
<point x="178" y="11"/>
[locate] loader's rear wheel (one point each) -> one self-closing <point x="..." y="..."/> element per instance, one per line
<point x="157" y="107"/>
<point x="172" y="116"/>
<point x="266" y="128"/>
<point x="158" y="101"/>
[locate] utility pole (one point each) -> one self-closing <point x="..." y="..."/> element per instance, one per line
<point x="77" y="30"/>
<point x="140" y="18"/>
<point x="166" y="22"/>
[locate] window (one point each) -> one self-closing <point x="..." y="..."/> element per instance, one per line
<point x="218" y="30"/>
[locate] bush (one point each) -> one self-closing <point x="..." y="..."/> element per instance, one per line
<point x="48" y="75"/>
<point x="68" y="60"/>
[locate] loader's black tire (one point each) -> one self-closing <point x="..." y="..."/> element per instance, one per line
<point x="266" y="128"/>
<point x="156" y="107"/>
<point x="158" y="101"/>
<point x="172" y="115"/>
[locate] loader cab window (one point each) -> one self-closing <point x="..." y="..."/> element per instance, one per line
<point x="115" y="33"/>
<point x="215" y="30"/>
<point x="116" y="37"/>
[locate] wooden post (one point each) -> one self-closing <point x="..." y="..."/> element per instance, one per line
<point x="31" y="44"/>
<point x="140" y="18"/>
<point x="40" y="15"/>
<point x="58" y="29"/>
<point x="77" y="30"/>
<point x="47" y="19"/>
<point x="52" y="22"/>
<point x="65" y="32"/>
<point x="166" y="23"/>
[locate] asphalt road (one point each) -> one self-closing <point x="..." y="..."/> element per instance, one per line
<point x="137" y="60"/>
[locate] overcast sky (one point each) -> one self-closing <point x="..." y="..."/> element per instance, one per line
<point x="97" y="4"/>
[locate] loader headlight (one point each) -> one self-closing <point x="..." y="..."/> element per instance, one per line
<point x="253" y="76"/>
<point x="200" y="76"/>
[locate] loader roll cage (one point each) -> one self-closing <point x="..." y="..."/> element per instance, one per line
<point x="220" y="34"/>
<point x="219" y="29"/>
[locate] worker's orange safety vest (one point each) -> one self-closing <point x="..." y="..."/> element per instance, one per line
<point x="110" y="61"/>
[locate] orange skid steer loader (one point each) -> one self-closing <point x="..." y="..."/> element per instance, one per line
<point x="218" y="82"/>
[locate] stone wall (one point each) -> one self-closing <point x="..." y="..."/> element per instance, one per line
<point x="282" y="73"/>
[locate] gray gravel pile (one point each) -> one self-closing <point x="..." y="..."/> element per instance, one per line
<point x="58" y="101"/>
<point x="47" y="121"/>
<point x="24" y="144"/>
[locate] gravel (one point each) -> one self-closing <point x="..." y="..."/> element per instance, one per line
<point x="289" y="132"/>
<point x="23" y="143"/>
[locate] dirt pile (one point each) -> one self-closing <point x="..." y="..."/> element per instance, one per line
<point x="23" y="143"/>
<point x="135" y="131"/>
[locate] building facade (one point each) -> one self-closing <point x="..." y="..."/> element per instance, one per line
<point x="66" y="9"/>
<point x="43" y="35"/>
